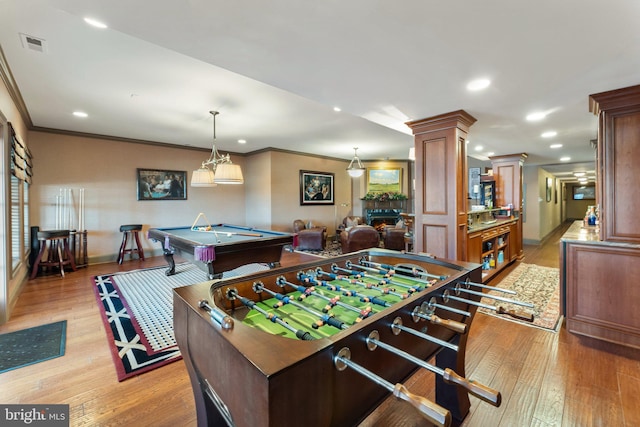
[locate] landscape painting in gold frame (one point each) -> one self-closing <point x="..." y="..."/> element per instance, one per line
<point x="384" y="180"/>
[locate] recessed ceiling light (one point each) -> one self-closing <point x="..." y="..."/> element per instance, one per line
<point x="478" y="84"/>
<point x="579" y="174"/>
<point x="538" y="115"/>
<point x="337" y="109"/>
<point x="565" y="159"/>
<point x="242" y="141"/>
<point x="549" y="134"/>
<point x="80" y="114"/>
<point x="555" y="146"/>
<point x="479" y="148"/>
<point x="95" y="23"/>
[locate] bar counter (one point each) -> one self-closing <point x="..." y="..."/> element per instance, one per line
<point x="598" y="286"/>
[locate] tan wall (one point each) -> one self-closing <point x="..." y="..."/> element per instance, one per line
<point x="107" y="172"/>
<point x="10" y="281"/>
<point x="541" y="217"/>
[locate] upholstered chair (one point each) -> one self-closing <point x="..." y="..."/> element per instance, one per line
<point x="394" y="238"/>
<point x="359" y="237"/>
<point x="350" y="221"/>
<point x="309" y="237"/>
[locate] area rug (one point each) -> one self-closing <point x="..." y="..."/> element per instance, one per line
<point x="137" y="310"/>
<point x="534" y="284"/>
<point x="332" y="249"/>
<point x="33" y="345"/>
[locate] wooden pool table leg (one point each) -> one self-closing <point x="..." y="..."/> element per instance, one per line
<point x="168" y="256"/>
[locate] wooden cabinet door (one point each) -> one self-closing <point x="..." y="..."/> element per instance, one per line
<point x="474" y="247"/>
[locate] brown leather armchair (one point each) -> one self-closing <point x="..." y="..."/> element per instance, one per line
<point x="314" y="238"/>
<point x="359" y="237"/>
<point x="350" y="221"/>
<point x="394" y="238"/>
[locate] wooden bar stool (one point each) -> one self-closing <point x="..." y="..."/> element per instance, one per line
<point x="133" y="230"/>
<point x="56" y="244"/>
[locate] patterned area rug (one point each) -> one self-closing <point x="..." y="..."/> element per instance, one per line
<point x="333" y="249"/>
<point x="137" y="310"/>
<point x="33" y="345"/>
<point x="534" y="284"/>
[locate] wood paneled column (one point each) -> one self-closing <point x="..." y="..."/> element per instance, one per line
<point x="507" y="171"/>
<point x="441" y="184"/>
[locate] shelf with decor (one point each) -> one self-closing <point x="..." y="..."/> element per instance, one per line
<point x="490" y="247"/>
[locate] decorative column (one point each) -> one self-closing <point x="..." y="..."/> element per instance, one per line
<point x="507" y="171"/>
<point x="441" y="184"/>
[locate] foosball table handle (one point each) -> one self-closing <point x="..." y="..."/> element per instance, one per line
<point x="480" y="391"/>
<point x="433" y="412"/>
<point x="453" y="325"/>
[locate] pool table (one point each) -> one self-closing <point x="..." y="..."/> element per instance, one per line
<point x="220" y="247"/>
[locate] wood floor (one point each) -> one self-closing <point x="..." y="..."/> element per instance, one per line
<point x="546" y="379"/>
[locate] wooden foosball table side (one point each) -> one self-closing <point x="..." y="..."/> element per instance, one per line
<point x="243" y="376"/>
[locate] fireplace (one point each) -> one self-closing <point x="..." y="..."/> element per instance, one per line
<point x="380" y="218"/>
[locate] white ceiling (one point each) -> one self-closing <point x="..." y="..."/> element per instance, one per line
<point x="275" y="70"/>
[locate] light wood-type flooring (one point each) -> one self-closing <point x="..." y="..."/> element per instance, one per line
<point x="546" y="378"/>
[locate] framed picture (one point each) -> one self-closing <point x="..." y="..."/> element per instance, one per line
<point x="161" y="184"/>
<point x="549" y="185"/>
<point x="384" y="180"/>
<point x="316" y="188"/>
<point x="555" y="190"/>
<point x="584" y="192"/>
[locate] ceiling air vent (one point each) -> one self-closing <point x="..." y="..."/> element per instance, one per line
<point x="33" y="43"/>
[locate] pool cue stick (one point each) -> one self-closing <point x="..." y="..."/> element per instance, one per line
<point x="458" y="289"/>
<point x="449" y="376"/>
<point x="300" y="333"/>
<point x="397" y="326"/>
<point x="325" y="319"/>
<point x="433" y="412"/>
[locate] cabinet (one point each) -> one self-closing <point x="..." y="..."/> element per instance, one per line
<point x="491" y="247"/>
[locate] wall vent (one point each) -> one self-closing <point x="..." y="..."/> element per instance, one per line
<point x="33" y="43"/>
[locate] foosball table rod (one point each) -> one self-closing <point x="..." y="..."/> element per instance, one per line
<point x="459" y="289"/>
<point x="430" y="316"/>
<point x="446" y="296"/>
<point x="397" y="326"/>
<point x="483" y="392"/>
<point x="468" y="284"/>
<point x="232" y="294"/>
<point x="433" y="412"/>
<point x="384" y="281"/>
<point x="410" y="271"/>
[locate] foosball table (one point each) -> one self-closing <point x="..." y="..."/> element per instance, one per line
<point x="324" y="343"/>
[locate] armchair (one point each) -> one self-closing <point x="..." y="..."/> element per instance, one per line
<point x="350" y="221"/>
<point x="313" y="238"/>
<point x="394" y="238"/>
<point x="359" y="237"/>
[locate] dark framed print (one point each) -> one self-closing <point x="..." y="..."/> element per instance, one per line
<point x="555" y="190"/>
<point x="161" y="184"/>
<point x="316" y="188"/>
<point x="584" y="192"/>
